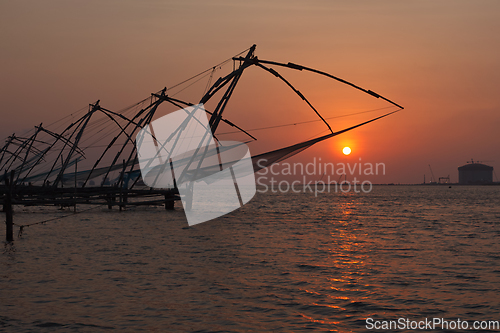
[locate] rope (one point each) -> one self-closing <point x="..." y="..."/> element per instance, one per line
<point x="209" y="81"/>
<point x="308" y="121"/>
<point x="201" y="78"/>
<point x="21" y="226"/>
<point x="207" y="70"/>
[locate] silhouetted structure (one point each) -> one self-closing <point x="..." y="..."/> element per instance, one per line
<point x="475" y="173"/>
<point x="94" y="160"/>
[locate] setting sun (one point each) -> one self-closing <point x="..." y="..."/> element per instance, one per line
<point x="346" y="150"/>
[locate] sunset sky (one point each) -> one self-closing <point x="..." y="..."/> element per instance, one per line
<point x="439" y="59"/>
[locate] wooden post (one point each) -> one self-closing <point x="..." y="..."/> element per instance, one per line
<point x="110" y="200"/>
<point x="9" y="223"/>
<point x="169" y="204"/>
<point x="121" y="186"/>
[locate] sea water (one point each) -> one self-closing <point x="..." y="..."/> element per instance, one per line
<point x="285" y="262"/>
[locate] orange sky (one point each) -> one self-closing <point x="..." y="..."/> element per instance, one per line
<point x="439" y="59"/>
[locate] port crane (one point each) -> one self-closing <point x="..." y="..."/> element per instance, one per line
<point x="433" y="179"/>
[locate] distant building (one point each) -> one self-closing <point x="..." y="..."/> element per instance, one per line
<point x="475" y="173"/>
